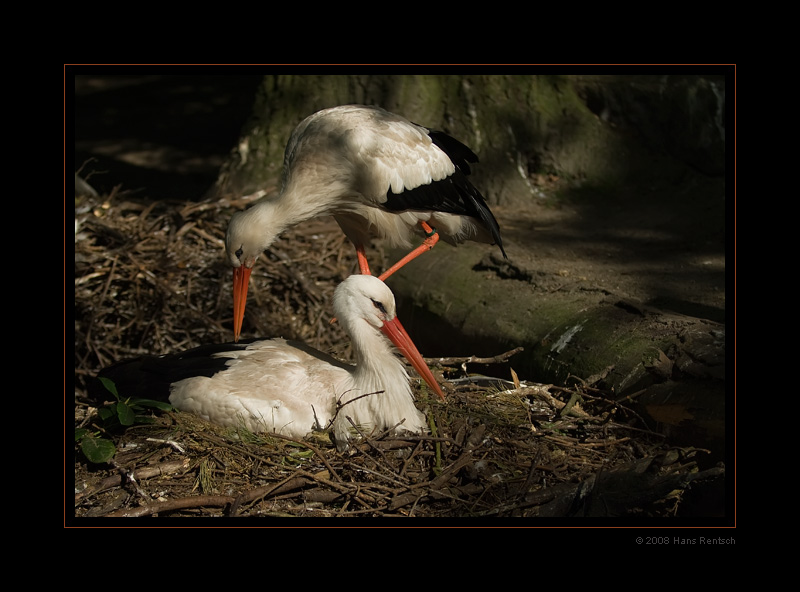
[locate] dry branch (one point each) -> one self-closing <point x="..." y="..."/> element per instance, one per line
<point x="498" y="359"/>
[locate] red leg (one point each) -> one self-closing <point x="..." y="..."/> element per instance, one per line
<point x="362" y="260"/>
<point x="362" y="265"/>
<point x="431" y="239"/>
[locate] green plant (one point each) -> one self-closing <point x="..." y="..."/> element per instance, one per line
<point x="121" y="413"/>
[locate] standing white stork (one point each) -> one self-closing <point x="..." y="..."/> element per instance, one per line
<point x="286" y="387"/>
<point x="380" y="176"/>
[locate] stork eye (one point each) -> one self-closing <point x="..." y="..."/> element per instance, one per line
<point x="239" y="252"/>
<point x="378" y="305"/>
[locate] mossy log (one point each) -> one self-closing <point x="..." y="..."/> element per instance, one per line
<point x="671" y="367"/>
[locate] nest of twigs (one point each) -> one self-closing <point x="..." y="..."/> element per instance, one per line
<point x="150" y="277"/>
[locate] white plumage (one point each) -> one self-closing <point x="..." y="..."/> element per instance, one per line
<point x="286" y="387"/>
<point x="379" y="175"/>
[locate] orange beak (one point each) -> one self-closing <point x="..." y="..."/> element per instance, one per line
<point x="241" y="280"/>
<point x="397" y="334"/>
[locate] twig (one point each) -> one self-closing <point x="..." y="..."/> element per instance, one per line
<point x="130" y="477"/>
<point x="198" y="501"/>
<point x="281" y="437"/>
<point x="289" y="483"/>
<point x="177" y="447"/>
<point x="165" y="468"/>
<point x="101" y="299"/>
<point x="498" y="359"/>
<point x="372" y="445"/>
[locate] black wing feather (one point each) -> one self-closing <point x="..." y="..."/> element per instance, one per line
<point x="150" y="377"/>
<point x="453" y="195"/>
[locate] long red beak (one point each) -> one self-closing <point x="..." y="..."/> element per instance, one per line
<point x="397" y="334"/>
<point x="241" y="280"/>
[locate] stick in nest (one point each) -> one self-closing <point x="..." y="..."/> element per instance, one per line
<point x="498" y="359"/>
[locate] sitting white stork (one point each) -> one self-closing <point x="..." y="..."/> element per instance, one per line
<point x="286" y="387"/>
<point x="380" y="176"/>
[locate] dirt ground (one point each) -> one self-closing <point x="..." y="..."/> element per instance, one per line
<point x="150" y="279"/>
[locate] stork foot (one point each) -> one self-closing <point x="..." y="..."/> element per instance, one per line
<point x="431" y="238"/>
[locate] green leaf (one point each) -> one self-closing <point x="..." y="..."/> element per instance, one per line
<point x="110" y="386"/>
<point x="302" y="454"/>
<point x="80" y="433"/>
<point x="152" y="403"/>
<point x="125" y="414"/>
<point x="98" y="450"/>
<point x="107" y="412"/>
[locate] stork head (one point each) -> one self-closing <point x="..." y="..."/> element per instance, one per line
<point x="246" y="238"/>
<point x="362" y="298"/>
<point x="249" y="234"/>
